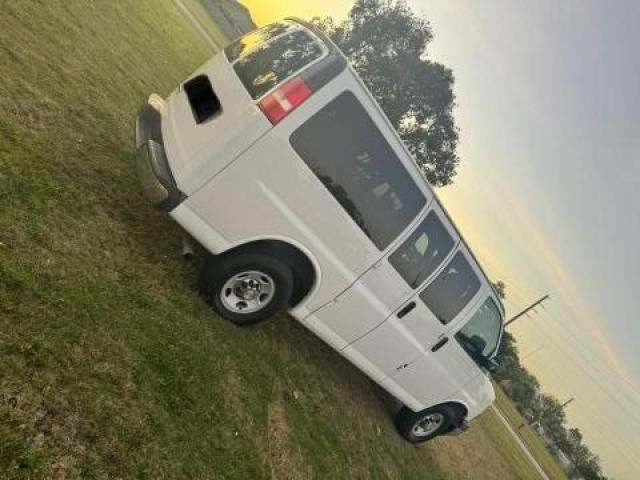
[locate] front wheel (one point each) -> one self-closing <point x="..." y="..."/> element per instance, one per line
<point x="246" y="288"/>
<point x="427" y="424"/>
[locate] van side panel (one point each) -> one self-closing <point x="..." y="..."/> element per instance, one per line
<point x="282" y="198"/>
<point x="476" y="395"/>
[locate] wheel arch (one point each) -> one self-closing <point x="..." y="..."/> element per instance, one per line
<point x="306" y="272"/>
<point x="460" y="407"/>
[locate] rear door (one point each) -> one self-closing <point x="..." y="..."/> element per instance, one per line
<point x="214" y="116"/>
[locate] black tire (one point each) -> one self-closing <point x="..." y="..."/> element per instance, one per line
<point x="406" y="420"/>
<point x="219" y="270"/>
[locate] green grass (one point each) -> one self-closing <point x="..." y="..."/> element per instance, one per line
<point x="205" y="20"/>
<point x="112" y="367"/>
<point x="533" y="442"/>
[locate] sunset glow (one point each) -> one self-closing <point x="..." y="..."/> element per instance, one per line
<point x="267" y="12"/>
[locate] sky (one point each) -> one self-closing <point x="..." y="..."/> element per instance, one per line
<point x="548" y="189"/>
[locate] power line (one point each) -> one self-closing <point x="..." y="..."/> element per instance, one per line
<point x="548" y="320"/>
<point x="531" y="354"/>
<point x="624" y="454"/>
<point x="512" y="289"/>
<point x="532" y="307"/>
<point x="521" y="298"/>
<point x="600" y="427"/>
<point x="571" y="400"/>
<point x="526" y="310"/>
<point x="553" y="321"/>
<point x="596" y="383"/>
<point x="570" y="343"/>
<point x="595" y="354"/>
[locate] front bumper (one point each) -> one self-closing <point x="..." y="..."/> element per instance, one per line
<point x="152" y="166"/>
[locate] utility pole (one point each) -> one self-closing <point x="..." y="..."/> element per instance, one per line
<point x="568" y="402"/>
<point x="526" y="310"/>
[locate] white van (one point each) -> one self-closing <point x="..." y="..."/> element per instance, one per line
<point x="276" y="158"/>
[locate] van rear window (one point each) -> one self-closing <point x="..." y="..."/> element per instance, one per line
<point x="349" y="155"/>
<point x="252" y="39"/>
<point x="272" y="62"/>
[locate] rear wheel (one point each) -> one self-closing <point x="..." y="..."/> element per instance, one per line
<point x="246" y="288"/>
<point x="427" y="424"/>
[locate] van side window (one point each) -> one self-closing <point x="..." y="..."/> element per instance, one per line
<point x="452" y="289"/>
<point x="346" y="151"/>
<point x="423" y="251"/>
<point x="272" y="62"/>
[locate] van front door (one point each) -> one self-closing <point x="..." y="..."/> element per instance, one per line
<point x="421" y="324"/>
<point x="454" y="359"/>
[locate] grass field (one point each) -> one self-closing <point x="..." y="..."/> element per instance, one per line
<point x="112" y="367"/>
<point x="533" y="442"/>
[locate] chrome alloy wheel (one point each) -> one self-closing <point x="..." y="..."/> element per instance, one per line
<point x="428" y="424"/>
<point x="247" y="292"/>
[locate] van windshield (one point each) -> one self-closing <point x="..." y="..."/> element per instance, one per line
<point x="275" y="60"/>
<point x="479" y="337"/>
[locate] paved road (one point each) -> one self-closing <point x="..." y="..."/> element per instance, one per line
<point x="524" y="448"/>
<point x="215" y="47"/>
<point x="203" y="33"/>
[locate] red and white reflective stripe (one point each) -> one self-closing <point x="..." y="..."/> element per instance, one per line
<point x="281" y="98"/>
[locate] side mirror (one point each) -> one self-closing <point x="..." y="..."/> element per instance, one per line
<point x="492" y="365"/>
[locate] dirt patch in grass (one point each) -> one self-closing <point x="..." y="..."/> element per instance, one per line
<point x="285" y="459"/>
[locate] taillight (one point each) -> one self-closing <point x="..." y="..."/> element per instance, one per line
<point x="285" y="99"/>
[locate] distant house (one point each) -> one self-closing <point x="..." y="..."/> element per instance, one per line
<point x="563" y="459"/>
<point x="537" y="426"/>
<point x="232" y="17"/>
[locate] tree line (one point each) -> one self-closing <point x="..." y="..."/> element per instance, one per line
<point x="540" y="408"/>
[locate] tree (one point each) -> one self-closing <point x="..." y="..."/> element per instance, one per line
<point x="524" y="390"/>
<point x="386" y="43"/>
<point x="500" y="289"/>
<point x="507" y="357"/>
<point x="550" y="413"/>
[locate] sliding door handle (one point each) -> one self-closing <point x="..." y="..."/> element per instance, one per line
<point x="440" y="344"/>
<point x="406" y="309"/>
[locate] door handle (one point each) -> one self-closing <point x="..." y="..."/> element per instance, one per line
<point x="440" y="344"/>
<point x="406" y="309"/>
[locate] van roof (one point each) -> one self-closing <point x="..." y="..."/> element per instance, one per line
<point x="334" y="48"/>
